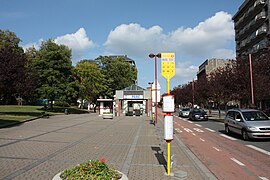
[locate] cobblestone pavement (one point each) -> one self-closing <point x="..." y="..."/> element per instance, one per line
<point x="41" y="148"/>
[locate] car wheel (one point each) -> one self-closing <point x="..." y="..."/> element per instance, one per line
<point x="227" y="130"/>
<point x="245" y="135"/>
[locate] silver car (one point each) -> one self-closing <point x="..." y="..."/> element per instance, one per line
<point x="184" y="112"/>
<point x="249" y="123"/>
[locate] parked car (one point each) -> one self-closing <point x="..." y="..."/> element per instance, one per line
<point x="184" y="112"/>
<point x="249" y="123"/>
<point x="198" y="114"/>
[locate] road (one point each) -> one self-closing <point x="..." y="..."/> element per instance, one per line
<point x="228" y="157"/>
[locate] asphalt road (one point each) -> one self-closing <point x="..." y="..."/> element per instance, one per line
<point x="228" y="157"/>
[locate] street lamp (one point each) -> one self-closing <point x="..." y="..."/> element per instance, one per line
<point x="155" y="56"/>
<point x="151" y="102"/>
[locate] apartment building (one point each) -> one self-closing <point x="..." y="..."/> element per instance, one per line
<point x="251" y="24"/>
<point x="211" y="65"/>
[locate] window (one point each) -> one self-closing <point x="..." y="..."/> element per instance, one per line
<point x="238" y="115"/>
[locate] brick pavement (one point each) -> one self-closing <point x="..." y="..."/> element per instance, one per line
<point x="41" y="148"/>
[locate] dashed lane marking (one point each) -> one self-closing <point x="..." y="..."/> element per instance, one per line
<point x="188" y="130"/>
<point x="216" y="149"/>
<point x="198" y="130"/>
<point x="228" y="137"/>
<point x="259" y="149"/>
<point x="178" y="130"/>
<point x="211" y="130"/>
<point x="190" y="122"/>
<point x="263" y="178"/>
<point x="193" y="134"/>
<point x="238" y="162"/>
<point x="198" y="125"/>
<point x="202" y="139"/>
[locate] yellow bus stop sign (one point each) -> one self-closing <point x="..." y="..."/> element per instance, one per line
<point x="167" y="65"/>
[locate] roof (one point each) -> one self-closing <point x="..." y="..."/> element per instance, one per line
<point x="133" y="87"/>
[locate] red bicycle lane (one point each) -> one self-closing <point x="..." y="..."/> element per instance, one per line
<point x="225" y="158"/>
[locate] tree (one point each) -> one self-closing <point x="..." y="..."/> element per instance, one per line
<point x="90" y="79"/>
<point x="53" y="65"/>
<point x="29" y="85"/>
<point x="12" y="61"/>
<point x="118" y="73"/>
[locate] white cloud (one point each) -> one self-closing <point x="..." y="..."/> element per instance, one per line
<point x="134" y="40"/>
<point x="203" y="41"/>
<point x="36" y="45"/>
<point x="185" y="70"/>
<point x="78" y="42"/>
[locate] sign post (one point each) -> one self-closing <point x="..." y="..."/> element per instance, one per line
<point x="168" y="71"/>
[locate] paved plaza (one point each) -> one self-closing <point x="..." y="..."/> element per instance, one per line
<point x="41" y="148"/>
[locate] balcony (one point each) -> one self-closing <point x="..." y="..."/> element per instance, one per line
<point x="259" y="3"/>
<point x="251" y="11"/>
<point x="261" y="30"/>
<point x="261" y="15"/>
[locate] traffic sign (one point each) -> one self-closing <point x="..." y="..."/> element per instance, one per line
<point x="168" y="65"/>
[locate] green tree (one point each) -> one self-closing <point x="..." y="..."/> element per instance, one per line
<point x="12" y="62"/>
<point x="90" y="79"/>
<point x="118" y="73"/>
<point x="53" y="65"/>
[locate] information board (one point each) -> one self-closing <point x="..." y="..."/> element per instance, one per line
<point x="168" y="65"/>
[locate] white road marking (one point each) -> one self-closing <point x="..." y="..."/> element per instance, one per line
<point x="178" y="130"/>
<point x="193" y="134"/>
<point x="259" y="149"/>
<point x="211" y="130"/>
<point x="198" y="130"/>
<point x="202" y="139"/>
<point x="198" y="125"/>
<point x="188" y="130"/>
<point x="263" y="178"/>
<point x="238" y="162"/>
<point x="228" y="137"/>
<point x="216" y="149"/>
<point x="190" y="122"/>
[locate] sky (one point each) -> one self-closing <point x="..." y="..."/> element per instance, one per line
<point x="194" y="30"/>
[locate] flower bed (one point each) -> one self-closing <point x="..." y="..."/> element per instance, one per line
<point x="92" y="170"/>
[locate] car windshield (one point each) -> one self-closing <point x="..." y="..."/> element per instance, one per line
<point x="186" y="109"/>
<point x="197" y="110"/>
<point x="255" y="116"/>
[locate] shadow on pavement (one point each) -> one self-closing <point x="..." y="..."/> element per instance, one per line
<point x="160" y="157"/>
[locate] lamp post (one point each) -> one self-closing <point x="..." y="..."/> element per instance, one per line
<point x="151" y="102"/>
<point x="251" y="81"/>
<point x="155" y="56"/>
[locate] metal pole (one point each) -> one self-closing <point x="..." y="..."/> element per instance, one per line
<point x="168" y="142"/>
<point x="251" y="81"/>
<point x="193" y="93"/>
<point x="169" y="157"/>
<point x="156" y="87"/>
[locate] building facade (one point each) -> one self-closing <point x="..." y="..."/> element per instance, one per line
<point x="251" y="24"/>
<point x="211" y="65"/>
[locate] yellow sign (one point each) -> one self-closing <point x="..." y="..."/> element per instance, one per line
<point x="168" y="65"/>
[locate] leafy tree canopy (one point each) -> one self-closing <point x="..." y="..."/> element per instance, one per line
<point x="53" y="65"/>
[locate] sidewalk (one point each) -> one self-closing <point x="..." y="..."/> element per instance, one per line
<point x="215" y="115"/>
<point x="41" y="148"/>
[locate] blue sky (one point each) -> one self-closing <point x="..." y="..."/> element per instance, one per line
<point x="194" y="30"/>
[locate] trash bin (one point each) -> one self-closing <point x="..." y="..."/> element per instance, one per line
<point x="66" y="111"/>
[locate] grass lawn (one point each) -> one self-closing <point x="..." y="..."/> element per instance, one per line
<point x="11" y="114"/>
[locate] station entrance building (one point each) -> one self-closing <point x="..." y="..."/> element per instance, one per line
<point x="132" y="101"/>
